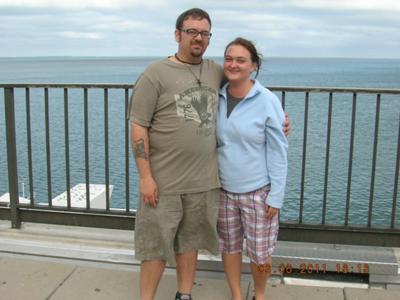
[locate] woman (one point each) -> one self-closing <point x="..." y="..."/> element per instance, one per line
<point x="252" y="155"/>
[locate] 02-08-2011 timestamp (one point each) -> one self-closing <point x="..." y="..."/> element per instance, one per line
<point x="315" y="268"/>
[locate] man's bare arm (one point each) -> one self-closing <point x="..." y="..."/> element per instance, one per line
<point x="140" y="147"/>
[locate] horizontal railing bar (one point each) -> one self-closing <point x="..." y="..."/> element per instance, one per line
<point x="347" y="235"/>
<point x="311" y="89"/>
<point x="287" y="231"/>
<point x="132" y="212"/>
<point x="5" y="210"/>
<point x="88" y="219"/>
<point x="334" y="90"/>
<point x="5" y="213"/>
<point x="72" y="209"/>
<point x="66" y="85"/>
<point x="122" y="212"/>
<point x="338" y="227"/>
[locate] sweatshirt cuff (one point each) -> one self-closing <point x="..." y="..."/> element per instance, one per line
<point x="274" y="202"/>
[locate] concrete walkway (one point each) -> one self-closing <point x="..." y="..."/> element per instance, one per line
<point x="45" y="262"/>
<point x="37" y="279"/>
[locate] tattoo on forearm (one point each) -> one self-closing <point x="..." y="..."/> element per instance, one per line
<point x="139" y="150"/>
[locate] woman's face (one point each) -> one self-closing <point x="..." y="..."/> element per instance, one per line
<point x="237" y="64"/>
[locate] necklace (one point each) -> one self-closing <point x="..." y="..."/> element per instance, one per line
<point x="198" y="79"/>
<point x="187" y="62"/>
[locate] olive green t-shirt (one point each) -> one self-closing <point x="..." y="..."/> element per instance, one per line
<point x="180" y="117"/>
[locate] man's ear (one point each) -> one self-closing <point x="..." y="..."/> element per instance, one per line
<point x="177" y="35"/>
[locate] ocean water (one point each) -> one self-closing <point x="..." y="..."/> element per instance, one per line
<point x="328" y="72"/>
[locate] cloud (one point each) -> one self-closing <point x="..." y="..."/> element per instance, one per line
<point x="82" y="35"/>
<point x="145" y="27"/>
<point x="360" y="5"/>
<point x="118" y="24"/>
<point x="82" y="4"/>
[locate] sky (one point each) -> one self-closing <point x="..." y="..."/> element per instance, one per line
<point x="280" y="28"/>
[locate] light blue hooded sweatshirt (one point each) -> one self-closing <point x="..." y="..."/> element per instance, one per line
<point x="251" y="145"/>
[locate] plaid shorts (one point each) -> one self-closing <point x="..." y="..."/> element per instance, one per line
<point x="243" y="215"/>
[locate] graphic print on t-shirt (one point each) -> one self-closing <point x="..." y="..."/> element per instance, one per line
<point x="198" y="104"/>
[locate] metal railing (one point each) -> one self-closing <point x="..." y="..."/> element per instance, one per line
<point x="297" y="230"/>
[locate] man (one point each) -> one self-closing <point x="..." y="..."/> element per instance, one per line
<point x="173" y="139"/>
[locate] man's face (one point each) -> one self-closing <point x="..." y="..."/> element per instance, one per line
<point x="193" y="46"/>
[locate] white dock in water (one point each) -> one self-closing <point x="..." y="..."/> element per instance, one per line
<point x="97" y="195"/>
<point x="5" y="199"/>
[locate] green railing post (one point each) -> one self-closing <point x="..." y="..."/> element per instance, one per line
<point x="12" y="156"/>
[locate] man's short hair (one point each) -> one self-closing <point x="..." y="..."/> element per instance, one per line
<point x="195" y="13"/>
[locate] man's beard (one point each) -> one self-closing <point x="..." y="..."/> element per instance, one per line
<point x="198" y="53"/>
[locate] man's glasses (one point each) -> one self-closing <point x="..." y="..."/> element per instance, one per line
<point x="193" y="33"/>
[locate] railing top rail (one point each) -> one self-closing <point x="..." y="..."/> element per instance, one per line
<point x="67" y="85"/>
<point x="311" y="89"/>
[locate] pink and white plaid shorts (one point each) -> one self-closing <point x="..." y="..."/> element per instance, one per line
<point x="243" y="215"/>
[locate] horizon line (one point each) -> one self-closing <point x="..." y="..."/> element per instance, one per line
<point x="206" y="56"/>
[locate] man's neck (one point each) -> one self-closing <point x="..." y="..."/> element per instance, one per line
<point x="187" y="59"/>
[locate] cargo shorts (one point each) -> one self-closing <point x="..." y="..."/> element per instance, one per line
<point x="179" y="224"/>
